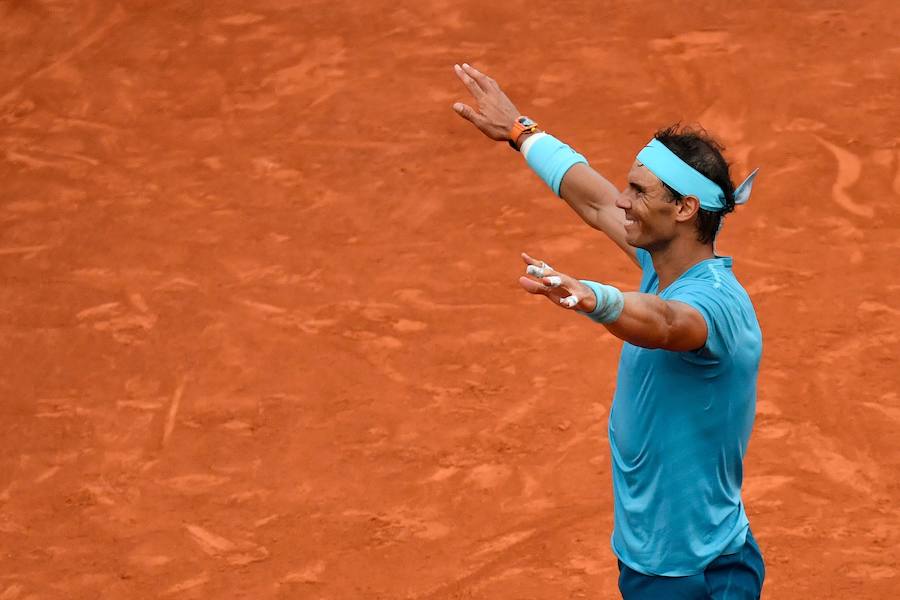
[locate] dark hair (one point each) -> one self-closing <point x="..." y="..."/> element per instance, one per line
<point x="695" y="147"/>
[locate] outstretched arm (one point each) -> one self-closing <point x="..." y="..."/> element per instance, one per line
<point x="644" y="320"/>
<point x="651" y="322"/>
<point x="587" y="192"/>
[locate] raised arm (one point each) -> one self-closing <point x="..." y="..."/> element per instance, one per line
<point x="587" y="192"/>
<point x="593" y="198"/>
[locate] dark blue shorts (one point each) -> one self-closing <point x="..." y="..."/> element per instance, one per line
<point x="737" y="576"/>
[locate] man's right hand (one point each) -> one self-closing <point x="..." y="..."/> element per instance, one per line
<point x="495" y="114"/>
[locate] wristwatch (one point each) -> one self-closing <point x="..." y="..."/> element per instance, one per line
<point x="520" y="126"/>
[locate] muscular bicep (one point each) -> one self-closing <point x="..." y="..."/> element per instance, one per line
<point x="593" y="197"/>
<point x="651" y="322"/>
<point x="689" y="330"/>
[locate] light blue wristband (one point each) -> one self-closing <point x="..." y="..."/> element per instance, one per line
<point x="551" y="159"/>
<point x="610" y="302"/>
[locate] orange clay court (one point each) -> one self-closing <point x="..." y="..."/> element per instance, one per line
<point x="262" y="335"/>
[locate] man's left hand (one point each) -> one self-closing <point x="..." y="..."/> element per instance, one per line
<point x="562" y="290"/>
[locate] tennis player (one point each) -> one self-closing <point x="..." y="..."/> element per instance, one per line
<point x="686" y="390"/>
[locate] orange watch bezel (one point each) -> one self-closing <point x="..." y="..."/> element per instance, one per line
<point x="518" y="128"/>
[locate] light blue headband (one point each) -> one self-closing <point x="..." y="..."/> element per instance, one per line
<point x="681" y="177"/>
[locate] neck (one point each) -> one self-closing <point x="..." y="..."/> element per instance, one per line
<point x="677" y="257"/>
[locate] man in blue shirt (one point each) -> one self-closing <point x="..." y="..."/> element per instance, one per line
<point x="686" y="390"/>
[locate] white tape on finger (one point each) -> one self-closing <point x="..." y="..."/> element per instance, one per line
<point x="538" y="271"/>
<point x="534" y="270"/>
<point x="569" y="301"/>
<point x="554" y="281"/>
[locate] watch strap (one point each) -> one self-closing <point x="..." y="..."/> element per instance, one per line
<point x="521" y="126"/>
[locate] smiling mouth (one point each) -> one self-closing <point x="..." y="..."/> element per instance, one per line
<point x="629" y="221"/>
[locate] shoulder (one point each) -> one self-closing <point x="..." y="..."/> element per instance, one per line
<point x="715" y="292"/>
<point x="718" y="296"/>
<point x="712" y="278"/>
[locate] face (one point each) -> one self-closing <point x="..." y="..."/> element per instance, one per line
<point x="652" y="218"/>
<point x="650" y="215"/>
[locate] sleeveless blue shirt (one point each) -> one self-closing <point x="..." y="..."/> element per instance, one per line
<point x="679" y="427"/>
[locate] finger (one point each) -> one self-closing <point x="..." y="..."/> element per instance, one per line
<point x="469" y="82"/>
<point x="483" y="80"/>
<point x="533" y="287"/>
<point x="569" y="301"/>
<point x="539" y="271"/>
<point x="556" y="279"/>
<point x="470" y="114"/>
<point x="530" y="260"/>
<point x="553" y="281"/>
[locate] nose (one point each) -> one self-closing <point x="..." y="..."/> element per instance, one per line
<point x="623" y="201"/>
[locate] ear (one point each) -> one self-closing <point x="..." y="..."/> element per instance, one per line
<point x="687" y="208"/>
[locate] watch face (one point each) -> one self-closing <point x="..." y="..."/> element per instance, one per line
<point x="526" y="122"/>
